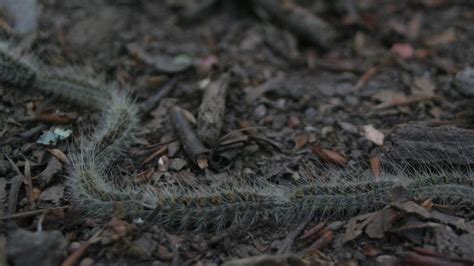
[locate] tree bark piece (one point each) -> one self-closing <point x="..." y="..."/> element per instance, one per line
<point x="212" y="110"/>
<point x="432" y="145"/>
<point x="298" y="20"/>
<point x="191" y="143"/>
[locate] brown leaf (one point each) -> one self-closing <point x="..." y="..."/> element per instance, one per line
<point x="55" y="118"/>
<point x="330" y="156"/>
<point x="375" y="167"/>
<point x="300" y="141"/>
<point x="355" y="226"/>
<point x="412" y="258"/>
<point x="313" y="231"/>
<point x="59" y="154"/>
<point x="322" y="242"/>
<point x="381" y="222"/>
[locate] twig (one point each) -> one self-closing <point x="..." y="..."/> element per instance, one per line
<point x="156" y="153"/>
<point x="15" y="188"/>
<point x="370" y="73"/>
<point x="13" y="195"/>
<point x="3" y="195"/>
<point x="299" y="20"/>
<point x="290" y="238"/>
<point x="191" y="144"/>
<point x="78" y="253"/>
<point x="148" y="105"/>
<point x="33" y="131"/>
<point x="30" y="213"/>
<point x="211" y="111"/>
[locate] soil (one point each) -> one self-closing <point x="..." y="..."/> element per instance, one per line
<point x="315" y="108"/>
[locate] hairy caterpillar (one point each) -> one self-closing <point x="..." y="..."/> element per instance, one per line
<point x="100" y="192"/>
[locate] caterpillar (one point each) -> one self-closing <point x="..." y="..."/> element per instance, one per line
<point x="99" y="191"/>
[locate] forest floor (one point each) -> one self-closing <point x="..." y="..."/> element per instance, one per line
<point x="311" y="100"/>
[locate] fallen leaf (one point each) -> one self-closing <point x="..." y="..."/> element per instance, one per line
<point x="321" y="243"/>
<point x="374" y="135"/>
<point x="301" y="141"/>
<point x="52" y="194"/>
<point x="59" y="154"/>
<point x="356" y="225"/>
<point x="330" y="156"/>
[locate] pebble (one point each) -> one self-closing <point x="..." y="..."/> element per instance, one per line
<point x="464" y="81"/>
<point x="87" y="262"/>
<point x="177" y="164"/>
<point x="348" y="127"/>
<point x="4" y="166"/>
<point x="310" y="114"/>
<point x="36" y="248"/>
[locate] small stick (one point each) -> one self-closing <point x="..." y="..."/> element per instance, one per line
<point x="33" y="131"/>
<point x="78" y="253"/>
<point x="3" y="195"/>
<point x="156" y="153"/>
<point x="290" y="238"/>
<point x="148" y="105"/>
<point x="298" y="20"/>
<point x="191" y="144"/>
<point x="13" y="196"/>
<point x="211" y="111"/>
<point x="31" y="213"/>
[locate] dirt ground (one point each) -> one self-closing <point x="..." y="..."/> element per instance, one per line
<point x="313" y="104"/>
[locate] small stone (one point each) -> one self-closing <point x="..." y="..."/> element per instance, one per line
<point x="335" y="226"/>
<point x="87" y="262"/>
<point x="348" y="127"/>
<point x="260" y="111"/>
<point x="464" y="81"/>
<point x="177" y="164"/>
<point x="387" y="260"/>
<point x="173" y="148"/>
<point x="4" y="166"/>
<point x="326" y="130"/>
<point x="144" y="245"/>
<point x="294" y="121"/>
<point x="163" y="164"/>
<point x="36" y="248"/>
<point x="310" y="114"/>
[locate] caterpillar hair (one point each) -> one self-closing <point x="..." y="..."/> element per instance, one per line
<point x="100" y="191"/>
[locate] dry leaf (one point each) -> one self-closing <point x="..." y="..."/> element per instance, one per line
<point x="301" y="141"/>
<point x="330" y="156"/>
<point x="59" y="154"/>
<point x="373" y="135"/>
